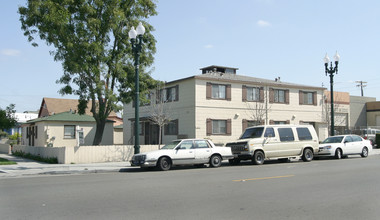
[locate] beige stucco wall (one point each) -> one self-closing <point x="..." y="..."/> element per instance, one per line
<point x="85" y="154"/>
<point x="118" y="136"/>
<point x="373" y="118"/>
<point x="53" y="132"/>
<point x="237" y="110"/>
<point x="193" y="109"/>
<point x="183" y="110"/>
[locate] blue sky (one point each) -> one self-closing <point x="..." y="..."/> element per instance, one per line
<point x="263" y="38"/>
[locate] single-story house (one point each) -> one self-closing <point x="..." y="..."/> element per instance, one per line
<point x="64" y="129"/>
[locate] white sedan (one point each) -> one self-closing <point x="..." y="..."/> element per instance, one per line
<point x="344" y="145"/>
<point x="183" y="152"/>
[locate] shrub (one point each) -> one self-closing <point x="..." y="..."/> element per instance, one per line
<point x="14" y="136"/>
<point x="3" y="134"/>
<point x="34" y="157"/>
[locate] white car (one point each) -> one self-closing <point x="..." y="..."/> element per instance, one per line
<point x="344" y="145"/>
<point x="183" y="152"/>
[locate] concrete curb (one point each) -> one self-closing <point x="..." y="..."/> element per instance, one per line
<point x="26" y="167"/>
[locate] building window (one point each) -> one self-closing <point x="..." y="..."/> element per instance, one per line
<point x="172" y="128"/>
<point x="279" y="96"/>
<point x="146" y="99"/>
<point x="218" y="127"/>
<point x="253" y="94"/>
<point x="69" y="132"/>
<point x="308" y="98"/>
<point x="35" y="132"/>
<point x="169" y="94"/>
<point x="218" y="91"/>
<point x="272" y="122"/>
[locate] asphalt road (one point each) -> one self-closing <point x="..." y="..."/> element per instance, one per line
<point x="321" y="189"/>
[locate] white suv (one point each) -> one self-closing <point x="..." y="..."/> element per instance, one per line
<point x="275" y="142"/>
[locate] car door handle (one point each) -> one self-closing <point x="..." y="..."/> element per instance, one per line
<point x="190" y="151"/>
<point x="207" y="150"/>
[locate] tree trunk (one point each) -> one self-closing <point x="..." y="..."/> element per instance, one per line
<point x="159" y="136"/>
<point x="99" y="131"/>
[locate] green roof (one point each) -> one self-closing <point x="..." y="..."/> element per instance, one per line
<point x="65" y="116"/>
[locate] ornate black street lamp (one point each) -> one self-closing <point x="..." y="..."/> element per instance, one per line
<point x="136" y="41"/>
<point x="331" y="72"/>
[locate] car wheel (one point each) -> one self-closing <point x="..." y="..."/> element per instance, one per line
<point x="164" y="164"/>
<point x="364" y="152"/>
<point x="258" y="158"/>
<point x="215" y="161"/>
<point x="307" y="155"/>
<point x="233" y="161"/>
<point x="338" y="154"/>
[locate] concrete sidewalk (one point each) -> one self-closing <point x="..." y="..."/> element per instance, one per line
<point x="26" y="167"/>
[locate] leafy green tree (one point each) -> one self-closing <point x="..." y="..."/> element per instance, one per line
<point x="7" y="119"/>
<point x="90" y="38"/>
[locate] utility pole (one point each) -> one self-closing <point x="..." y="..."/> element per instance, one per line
<point x="361" y="85"/>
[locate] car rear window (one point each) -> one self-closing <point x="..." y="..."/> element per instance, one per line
<point x="286" y="134"/>
<point x="304" y="134"/>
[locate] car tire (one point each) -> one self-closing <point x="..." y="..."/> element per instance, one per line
<point x="364" y="152"/>
<point x="258" y="158"/>
<point x="234" y="161"/>
<point x="164" y="164"/>
<point x="338" y="154"/>
<point x="215" y="161"/>
<point x="307" y="155"/>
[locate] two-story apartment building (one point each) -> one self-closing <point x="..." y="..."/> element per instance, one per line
<point x="219" y="104"/>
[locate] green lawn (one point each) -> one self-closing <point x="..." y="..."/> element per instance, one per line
<point x="6" y="162"/>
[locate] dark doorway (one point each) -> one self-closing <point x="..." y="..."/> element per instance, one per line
<point x="151" y="132"/>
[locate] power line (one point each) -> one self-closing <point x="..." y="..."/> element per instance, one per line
<point x="361" y="84"/>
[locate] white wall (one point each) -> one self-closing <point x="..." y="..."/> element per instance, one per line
<point x="86" y="154"/>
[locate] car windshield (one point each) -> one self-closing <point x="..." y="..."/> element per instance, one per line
<point x="171" y="145"/>
<point x="254" y="132"/>
<point x="329" y="140"/>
